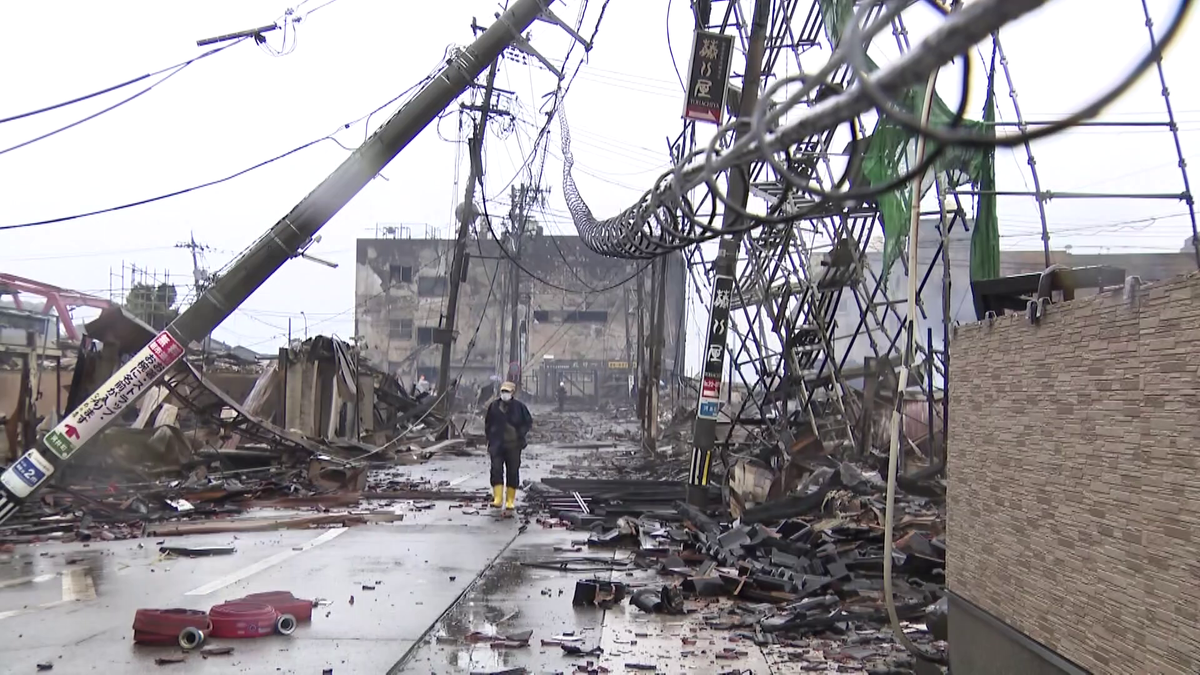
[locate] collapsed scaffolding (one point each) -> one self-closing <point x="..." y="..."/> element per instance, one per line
<point x="818" y="329"/>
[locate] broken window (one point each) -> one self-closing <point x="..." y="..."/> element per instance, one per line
<point x="425" y="335"/>
<point x="400" y="274"/>
<point x="400" y="329"/>
<point x="586" y="316"/>
<point x="432" y="286"/>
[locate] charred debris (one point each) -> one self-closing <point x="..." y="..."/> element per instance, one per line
<point x="224" y="433"/>
<point x="790" y="554"/>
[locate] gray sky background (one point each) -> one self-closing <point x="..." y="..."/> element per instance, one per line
<point x="232" y="110"/>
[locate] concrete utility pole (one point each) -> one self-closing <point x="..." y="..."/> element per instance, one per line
<point x="658" y="343"/>
<point x="466" y="216"/>
<point x="522" y="199"/>
<point x="287" y="239"/>
<point x="640" y="373"/>
<point x="704" y="432"/>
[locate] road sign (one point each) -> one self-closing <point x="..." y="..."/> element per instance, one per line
<point x="27" y="473"/>
<point x="709" y="409"/>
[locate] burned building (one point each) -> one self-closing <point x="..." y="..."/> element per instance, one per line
<point x="575" y="321"/>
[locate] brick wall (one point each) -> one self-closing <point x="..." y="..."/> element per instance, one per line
<point x="1074" y="474"/>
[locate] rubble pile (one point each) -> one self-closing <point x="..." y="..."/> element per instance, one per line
<point x="190" y="449"/>
<point x="803" y="573"/>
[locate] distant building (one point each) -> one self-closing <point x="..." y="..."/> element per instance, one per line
<point x="588" y="338"/>
<point x="1149" y="266"/>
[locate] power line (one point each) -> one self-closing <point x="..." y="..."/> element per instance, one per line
<point x="115" y="87"/>
<point x="173" y="72"/>
<point x="177" y="193"/>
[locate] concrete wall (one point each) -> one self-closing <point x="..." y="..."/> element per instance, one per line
<point x="1074" y="491"/>
<point x="388" y="305"/>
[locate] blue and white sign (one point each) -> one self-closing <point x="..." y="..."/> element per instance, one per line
<point x="27" y="473"/>
<point x="709" y="409"/>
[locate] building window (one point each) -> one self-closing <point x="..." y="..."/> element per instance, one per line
<point x="400" y="274"/>
<point x="585" y="316"/>
<point x="400" y="329"/>
<point x="432" y="286"/>
<point x="541" y="316"/>
<point x="425" y="335"/>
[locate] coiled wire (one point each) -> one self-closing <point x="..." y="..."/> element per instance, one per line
<point x="664" y="218"/>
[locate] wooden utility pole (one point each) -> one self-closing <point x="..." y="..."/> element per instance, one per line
<point x="466" y="216"/>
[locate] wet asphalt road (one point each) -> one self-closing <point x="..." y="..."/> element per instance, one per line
<point x="72" y="605"/>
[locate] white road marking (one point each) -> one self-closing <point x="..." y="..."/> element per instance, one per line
<point x="18" y="612"/>
<point x="265" y="563"/>
<point x="27" y="580"/>
<point x="77" y="586"/>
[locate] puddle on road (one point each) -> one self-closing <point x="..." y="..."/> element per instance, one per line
<point x="491" y="609"/>
<point x="85" y="570"/>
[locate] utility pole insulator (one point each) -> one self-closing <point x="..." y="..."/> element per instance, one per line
<point x="255" y="33"/>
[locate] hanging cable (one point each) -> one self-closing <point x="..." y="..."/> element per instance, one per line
<point x="115" y="87"/>
<point x="906" y="365"/>
<point x="173" y="72"/>
<point x="663" y="219"/>
<point x="218" y="181"/>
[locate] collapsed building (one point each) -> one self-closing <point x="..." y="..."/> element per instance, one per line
<point x="575" y="323"/>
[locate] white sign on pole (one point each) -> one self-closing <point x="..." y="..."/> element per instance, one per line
<point x="115" y="395"/>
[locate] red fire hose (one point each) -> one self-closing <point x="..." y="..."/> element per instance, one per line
<point x="249" y="620"/>
<point x="186" y="627"/>
<point x="283" y="602"/>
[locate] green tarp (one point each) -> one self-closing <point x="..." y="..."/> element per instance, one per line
<point x="890" y="147"/>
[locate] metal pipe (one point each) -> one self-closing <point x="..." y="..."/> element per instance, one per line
<point x="1037" y="181"/>
<point x="894" y="444"/>
<point x="1166" y="94"/>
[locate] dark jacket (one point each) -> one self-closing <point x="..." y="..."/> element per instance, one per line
<point x="495" y="420"/>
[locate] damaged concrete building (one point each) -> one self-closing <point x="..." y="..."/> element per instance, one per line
<point x="572" y="325"/>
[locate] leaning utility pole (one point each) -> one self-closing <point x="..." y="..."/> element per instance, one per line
<point x="466" y="216"/>
<point x="704" y="432"/>
<point x="287" y="239"/>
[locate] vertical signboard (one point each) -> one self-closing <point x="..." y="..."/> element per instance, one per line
<point x="714" y="349"/>
<point x="708" y="77"/>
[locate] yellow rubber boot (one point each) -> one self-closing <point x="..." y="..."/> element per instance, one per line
<point x="511" y="502"/>
<point x="497" y="495"/>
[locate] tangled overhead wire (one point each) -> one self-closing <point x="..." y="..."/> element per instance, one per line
<point x="664" y="219"/>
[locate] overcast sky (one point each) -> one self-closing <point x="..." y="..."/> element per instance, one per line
<point x="244" y="105"/>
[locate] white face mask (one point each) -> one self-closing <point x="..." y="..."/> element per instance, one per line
<point x="506" y="396"/>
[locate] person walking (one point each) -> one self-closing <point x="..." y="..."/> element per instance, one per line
<point x="506" y="424"/>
